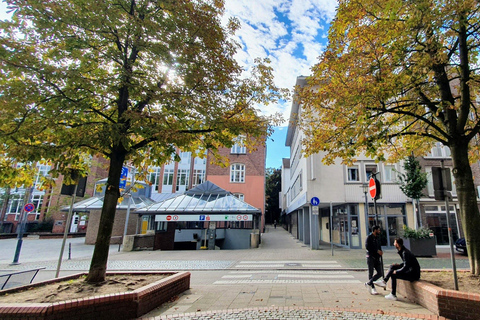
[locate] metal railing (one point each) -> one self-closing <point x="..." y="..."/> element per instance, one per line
<point x="17" y="279"/>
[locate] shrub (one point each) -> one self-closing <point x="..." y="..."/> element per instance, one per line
<point x="420" y="233"/>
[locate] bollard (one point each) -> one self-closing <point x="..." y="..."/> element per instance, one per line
<point x="69" y="251"/>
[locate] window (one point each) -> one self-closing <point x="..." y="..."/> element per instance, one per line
<point x="352" y="174"/>
<point x="239" y="146"/>
<point x="430" y="182"/>
<point x="42" y="171"/>
<point x="37" y="201"/>
<point x="168" y="177"/>
<point x="389" y="175"/>
<point x="237" y="172"/>
<point x="370" y="170"/>
<point x="439" y="151"/>
<point x="182" y="179"/>
<point x="185" y="157"/>
<point x="239" y="196"/>
<point x="198" y="177"/>
<point x="154" y="177"/>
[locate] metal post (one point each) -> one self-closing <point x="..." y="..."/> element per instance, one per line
<point x="69" y="251"/>
<point x="331" y="226"/>
<point x="127" y="217"/>
<point x="450" y="239"/>
<point x="67" y="229"/>
<point x="23" y="218"/>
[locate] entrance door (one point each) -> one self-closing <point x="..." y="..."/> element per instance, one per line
<point x="344" y="233"/>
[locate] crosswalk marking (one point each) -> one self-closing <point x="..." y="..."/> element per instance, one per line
<point x="268" y="281"/>
<point x="286" y="276"/>
<point x="319" y="276"/>
<point x="290" y="261"/>
<point x="284" y="266"/>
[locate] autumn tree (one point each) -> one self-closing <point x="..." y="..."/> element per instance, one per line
<point x="131" y="80"/>
<point x="398" y="76"/>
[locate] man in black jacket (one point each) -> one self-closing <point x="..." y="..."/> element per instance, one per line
<point x="374" y="253"/>
<point x="409" y="269"/>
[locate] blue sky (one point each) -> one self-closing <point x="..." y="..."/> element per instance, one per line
<point x="291" y="33"/>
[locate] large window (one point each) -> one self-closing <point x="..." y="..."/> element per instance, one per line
<point x="182" y="179"/>
<point x="168" y="177"/>
<point x="237" y="172"/>
<point x="239" y="146"/>
<point x="42" y="171"/>
<point x="37" y="201"/>
<point x="239" y="196"/>
<point x="439" y="151"/>
<point x="198" y="177"/>
<point x="154" y="177"/>
<point x="370" y="170"/>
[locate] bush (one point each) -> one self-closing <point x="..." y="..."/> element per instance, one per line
<point x="420" y="233"/>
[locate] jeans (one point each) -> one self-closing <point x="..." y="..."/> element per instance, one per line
<point x="403" y="276"/>
<point x="374" y="264"/>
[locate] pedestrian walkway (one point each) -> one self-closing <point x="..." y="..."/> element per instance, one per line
<point x="282" y="279"/>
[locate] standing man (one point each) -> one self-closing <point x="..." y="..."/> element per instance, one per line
<point x="409" y="269"/>
<point x="374" y="253"/>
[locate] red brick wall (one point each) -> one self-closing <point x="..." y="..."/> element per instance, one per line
<point x="450" y="304"/>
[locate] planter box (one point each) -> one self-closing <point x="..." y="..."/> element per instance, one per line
<point x="118" y="306"/>
<point x="421" y="247"/>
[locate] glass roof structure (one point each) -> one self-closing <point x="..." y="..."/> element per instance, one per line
<point x="96" y="203"/>
<point x="204" y="198"/>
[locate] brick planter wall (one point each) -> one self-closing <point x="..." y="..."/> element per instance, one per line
<point x="118" y="306"/>
<point x="450" y="304"/>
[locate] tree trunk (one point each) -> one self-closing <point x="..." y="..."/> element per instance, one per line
<point x="467" y="199"/>
<point x="98" y="265"/>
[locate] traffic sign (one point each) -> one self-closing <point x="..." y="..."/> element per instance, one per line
<point x="123" y="178"/>
<point x="315" y="201"/>
<point x="29" y="207"/>
<point x="315" y="210"/>
<point x="372" y="188"/>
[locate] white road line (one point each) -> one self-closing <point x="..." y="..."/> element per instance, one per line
<point x="233" y="276"/>
<point x="319" y="276"/>
<point x="282" y="265"/>
<point x="290" y="261"/>
<point x="285" y="281"/>
<point x="292" y="272"/>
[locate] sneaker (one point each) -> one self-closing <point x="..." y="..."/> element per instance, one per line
<point x="374" y="292"/>
<point x="380" y="283"/>
<point x="391" y="297"/>
<point x="369" y="288"/>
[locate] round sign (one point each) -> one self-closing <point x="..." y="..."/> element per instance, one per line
<point x="372" y="188"/>
<point x="29" y="207"/>
<point x="315" y="201"/>
<point x="169" y="218"/>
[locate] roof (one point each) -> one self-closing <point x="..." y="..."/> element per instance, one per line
<point x="96" y="203"/>
<point x="204" y="198"/>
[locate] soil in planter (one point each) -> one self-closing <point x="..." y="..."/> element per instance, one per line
<point x="444" y="279"/>
<point x="78" y="288"/>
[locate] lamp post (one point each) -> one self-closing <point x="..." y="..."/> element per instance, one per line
<point x="365" y="191"/>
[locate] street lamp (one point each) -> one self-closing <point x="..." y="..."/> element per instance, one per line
<point x="365" y="191"/>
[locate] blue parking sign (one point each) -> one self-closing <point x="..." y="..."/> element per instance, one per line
<point x="123" y="178"/>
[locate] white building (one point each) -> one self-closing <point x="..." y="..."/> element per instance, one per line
<point x="342" y="193"/>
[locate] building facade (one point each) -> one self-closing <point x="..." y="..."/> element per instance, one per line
<point x="346" y="212"/>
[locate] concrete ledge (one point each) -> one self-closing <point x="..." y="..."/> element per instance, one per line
<point x="450" y="304"/>
<point x="125" y="305"/>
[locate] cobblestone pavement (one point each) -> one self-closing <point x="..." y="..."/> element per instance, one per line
<point x="291" y="314"/>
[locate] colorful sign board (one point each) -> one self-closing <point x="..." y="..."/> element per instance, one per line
<point x="203" y="217"/>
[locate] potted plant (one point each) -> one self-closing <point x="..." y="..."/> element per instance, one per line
<point x="420" y="241"/>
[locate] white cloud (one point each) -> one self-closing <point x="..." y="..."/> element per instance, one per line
<point x="289" y="32"/>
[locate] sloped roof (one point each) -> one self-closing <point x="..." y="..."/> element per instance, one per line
<point x="96" y="203"/>
<point x="206" y="197"/>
